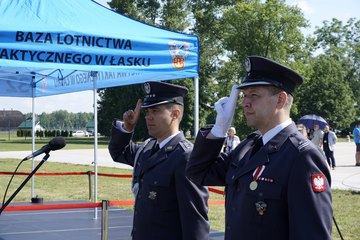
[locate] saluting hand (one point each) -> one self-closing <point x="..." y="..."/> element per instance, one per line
<point x="131" y="117"/>
<point x="225" y="109"/>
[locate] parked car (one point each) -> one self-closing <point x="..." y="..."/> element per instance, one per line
<point x="80" y="133"/>
<point x="92" y="133"/>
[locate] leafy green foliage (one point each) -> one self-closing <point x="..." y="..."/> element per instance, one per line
<point x="64" y="120"/>
<point x="329" y="59"/>
<point x="116" y="101"/>
<point x="327" y="93"/>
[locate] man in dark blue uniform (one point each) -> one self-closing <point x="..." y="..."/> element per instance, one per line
<point x="277" y="182"/>
<point x="167" y="205"/>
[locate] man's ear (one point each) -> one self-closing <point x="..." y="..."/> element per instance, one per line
<point x="175" y="113"/>
<point x="282" y="98"/>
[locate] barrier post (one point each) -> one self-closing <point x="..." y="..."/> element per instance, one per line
<point x="104" y="219"/>
<point x="90" y="191"/>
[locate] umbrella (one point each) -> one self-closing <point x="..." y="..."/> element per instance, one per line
<point x="311" y="119"/>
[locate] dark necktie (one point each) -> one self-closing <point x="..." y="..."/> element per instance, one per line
<point x="258" y="144"/>
<point x="155" y="148"/>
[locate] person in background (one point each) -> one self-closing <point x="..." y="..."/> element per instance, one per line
<point x="329" y="141"/>
<point x="317" y="137"/>
<point x="231" y="140"/>
<point x="277" y="183"/>
<point x="356" y="135"/>
<point x="167" y="204"/>
<point x="302" y="129"/>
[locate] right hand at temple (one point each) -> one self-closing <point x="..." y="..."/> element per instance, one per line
<point x="131" y="117"/>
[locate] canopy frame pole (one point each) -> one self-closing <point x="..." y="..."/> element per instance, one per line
<point x="196" y="106"/>
<point x="33" y="88"/>
<point x="95" y="96"/>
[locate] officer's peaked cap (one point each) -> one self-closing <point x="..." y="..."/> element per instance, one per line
<point x="265" y="72"/>
<point x="157" y="93"/>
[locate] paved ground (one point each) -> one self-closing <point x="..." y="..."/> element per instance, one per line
<point x="69" y="224"/>
<point x="345" y="176"/>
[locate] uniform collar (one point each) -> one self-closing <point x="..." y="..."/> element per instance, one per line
<point x="166" y="140"/>
<point x="272" y="132"/>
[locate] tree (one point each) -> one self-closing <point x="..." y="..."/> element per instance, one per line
<point x="174" y="15"/>
<point x="342" y="42"/>
<point x="63" y="120"/>
<point x="326" y="93"/>
<point x="115" y="101"/>
<point x="207" y="25"/>
<point x="270" y="29"/>
<point x="125" y="7"/>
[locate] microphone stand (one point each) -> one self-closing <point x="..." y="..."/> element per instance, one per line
<point x="24" y="182"/>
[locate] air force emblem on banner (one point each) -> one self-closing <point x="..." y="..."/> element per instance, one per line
<point x="179" y="52"/>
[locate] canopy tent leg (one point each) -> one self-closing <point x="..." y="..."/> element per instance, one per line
<point x="33" y="139"/>
<point x="95" y="95"/>
<point x="196" y="106"/>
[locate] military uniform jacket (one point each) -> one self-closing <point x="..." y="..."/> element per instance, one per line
<point x="292" y="200"/>
<point x="168" y="205"/>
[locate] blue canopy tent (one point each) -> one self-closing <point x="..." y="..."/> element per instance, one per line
<point x="63" y="46"/>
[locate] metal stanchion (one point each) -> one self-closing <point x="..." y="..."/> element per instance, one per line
<point x="104" y="219"/>
<point x="90" y="191"/>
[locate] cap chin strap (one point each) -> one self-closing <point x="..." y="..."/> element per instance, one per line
<point x="263" y="82"/>
<point x="249" y="84"/>
<point x="160" y="103"/>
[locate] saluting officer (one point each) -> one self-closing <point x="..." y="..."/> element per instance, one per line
<point x="277" y="182"/>
<point x="167" y="204"/>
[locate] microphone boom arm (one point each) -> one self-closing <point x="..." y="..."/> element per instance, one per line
<point x="24" y="182"/>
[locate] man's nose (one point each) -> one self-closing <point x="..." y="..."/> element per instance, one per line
<point x="245" y="103"/>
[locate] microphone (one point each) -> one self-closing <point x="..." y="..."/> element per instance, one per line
<point x="54" y="144"/>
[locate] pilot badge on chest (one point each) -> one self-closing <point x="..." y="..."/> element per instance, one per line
<point x="260" y="207"/>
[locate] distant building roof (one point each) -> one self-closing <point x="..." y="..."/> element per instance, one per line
<point x="27" y="125"/>
<point x="10" y="119"/>
<point x="90" y="124"/>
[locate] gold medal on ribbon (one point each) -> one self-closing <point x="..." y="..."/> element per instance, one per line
<point x="253" y="185"/>
<point x="256" y="174"/>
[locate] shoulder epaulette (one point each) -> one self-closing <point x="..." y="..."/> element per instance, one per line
<point x="186" y="145"/>
<point x="299" y="142"/>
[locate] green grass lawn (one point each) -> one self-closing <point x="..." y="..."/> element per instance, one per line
<point x="10" y="142"/>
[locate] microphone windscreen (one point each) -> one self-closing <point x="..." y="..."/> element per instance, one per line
<point x="57" y="143"/>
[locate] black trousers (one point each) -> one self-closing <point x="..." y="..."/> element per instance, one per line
<point x="330" y="157"/>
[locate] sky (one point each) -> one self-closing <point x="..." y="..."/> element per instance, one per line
<point x="316" y="11"/>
